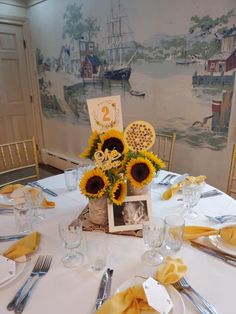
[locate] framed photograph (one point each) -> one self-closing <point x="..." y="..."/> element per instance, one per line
<point x="105" y="113"/>
<point x="131" y="214"/>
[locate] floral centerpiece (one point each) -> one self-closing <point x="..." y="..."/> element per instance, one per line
<point x="115" y="165"/>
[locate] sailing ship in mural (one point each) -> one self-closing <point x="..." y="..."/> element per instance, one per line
<point x="118" y="42"/>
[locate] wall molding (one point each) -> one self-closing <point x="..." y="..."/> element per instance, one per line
<point x="21" y="3"/>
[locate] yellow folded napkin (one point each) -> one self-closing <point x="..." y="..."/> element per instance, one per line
<point x="7" y="189"/>
<point x="130" y="301"/>
<point x="18" y="196"/>
<point x="178" y="186"/>
<point x="47" y="204"/>
<point x="227" y="234"/>
<point x="24" y="246"/>
<point x="171" y="271"/>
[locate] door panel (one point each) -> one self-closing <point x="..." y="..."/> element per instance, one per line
<point x="16" y="116"/>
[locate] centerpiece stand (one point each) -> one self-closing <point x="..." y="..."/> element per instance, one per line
<point x="88" y="225"/>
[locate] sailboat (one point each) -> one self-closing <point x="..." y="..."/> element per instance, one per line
<point x="117" y="44"/>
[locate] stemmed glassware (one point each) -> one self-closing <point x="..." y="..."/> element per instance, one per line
<point x="33" y="199"/>
<point x="71" y="235"/>
<point x="191" y="197"/>
<point x="153" y="236"/>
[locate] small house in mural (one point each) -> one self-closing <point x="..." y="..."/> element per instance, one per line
<point x="226" y="59"/>
<point x="91" y="66"/>
<point x="63" y="62"/>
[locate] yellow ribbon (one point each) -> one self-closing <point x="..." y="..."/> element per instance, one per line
<point x="227" y="234"/>
<point x="178" y="186"/>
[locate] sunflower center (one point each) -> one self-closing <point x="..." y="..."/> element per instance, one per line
<point x="94" y="185"/>
<point x="118" y="192"/>
<point x="113" y="143"/>
<point x="140" y="171"/>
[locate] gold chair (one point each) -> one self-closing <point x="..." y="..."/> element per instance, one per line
<point x="18" y="161"/>
<point x="232" y="173"/>
<point x="164" y="148"/>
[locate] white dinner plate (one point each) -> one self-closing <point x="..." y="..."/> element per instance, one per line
<point x="178" y="303"/>
<point x="20" y="266"/>
<point x="222" y="246"/>
<point x="5" y="200"/>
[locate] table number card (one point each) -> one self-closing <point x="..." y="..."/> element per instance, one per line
<point x="157" y="296"/>
<point x="105" y="113"/>
<point x="7" y="269"/>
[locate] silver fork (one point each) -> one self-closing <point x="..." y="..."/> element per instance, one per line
<point x="183" y="282"/>
<point x="199" y="306"/>
<point x="21" y="302"/>
<point x="34" y="272"/>
<point x="221" y="219"/>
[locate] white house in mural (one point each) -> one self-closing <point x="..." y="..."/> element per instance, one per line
<point x="73" y="55"/>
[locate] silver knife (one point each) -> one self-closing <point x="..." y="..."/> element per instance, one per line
<point x="209" y="251"/>
<point x="12" y="237"/>
<point x="46" y="190"/>
<point x="105" y="288"/>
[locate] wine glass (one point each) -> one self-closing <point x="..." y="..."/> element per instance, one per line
<point x="191" y="197"/>
<point x="71" y="235"/>
<point x="33" y="199"/>
<point x="153" y="236"/>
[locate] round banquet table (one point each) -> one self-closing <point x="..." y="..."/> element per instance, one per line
<point x="74" y="291"/>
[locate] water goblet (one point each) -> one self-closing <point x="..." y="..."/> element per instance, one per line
<point x="174" y="232"/>
<point x="191" y="197"/>
<point x="153" y="236"/>
<point x="33" y="199"/>
<point x="71" y="235"/>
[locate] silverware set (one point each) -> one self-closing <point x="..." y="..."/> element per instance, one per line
<point x="43" y="188"/>
<point x="227" y="258"/>
<point x="12" y="237"/>
<point x="20" y="299"/>
<point x="6" y="210"/>
<point x="166" y="180"/>
<point x="207" y="194"/>
<point x="222" y="218"/>
<point x="201" y="304"/>
<point x="105" y="288"/>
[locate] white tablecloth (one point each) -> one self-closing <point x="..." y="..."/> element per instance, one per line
<point x="74" y="291"/>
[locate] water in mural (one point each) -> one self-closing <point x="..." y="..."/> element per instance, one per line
<point x="165" y="73"/>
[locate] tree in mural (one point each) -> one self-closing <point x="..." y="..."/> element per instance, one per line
<point x="74" y="26"/>
<point x="205" y="24"/>
<point x="91" y="28"/>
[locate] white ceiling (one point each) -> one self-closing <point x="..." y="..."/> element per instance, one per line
<point x="21" y="3"/>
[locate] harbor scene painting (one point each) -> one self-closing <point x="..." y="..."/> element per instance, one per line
<point x="180" y="80"/>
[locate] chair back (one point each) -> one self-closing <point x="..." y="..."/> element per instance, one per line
<point x="18" y="161"/>
<point x="164" y="148"/>
<point x="231" y="188"/>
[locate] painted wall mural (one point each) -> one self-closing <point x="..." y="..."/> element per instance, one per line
<point x="173" y="68"/>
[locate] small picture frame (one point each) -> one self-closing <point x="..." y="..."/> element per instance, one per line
<point x="131" y="214"/>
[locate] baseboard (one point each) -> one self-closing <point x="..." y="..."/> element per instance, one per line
<point x="60" y="161"/>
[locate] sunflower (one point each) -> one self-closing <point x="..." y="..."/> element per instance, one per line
<point x="118" y="192"/>
<point x="140" y="171"/>
<point x="156" y="161"/>
<point x="92" y="146"/>
<point x="113" y="139"/>
<point x="94" y="183"/>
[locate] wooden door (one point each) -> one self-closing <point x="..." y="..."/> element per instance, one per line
<point x="16" y="118"/>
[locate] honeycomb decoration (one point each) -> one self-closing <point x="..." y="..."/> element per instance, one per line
<point x="139" y="135"/>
